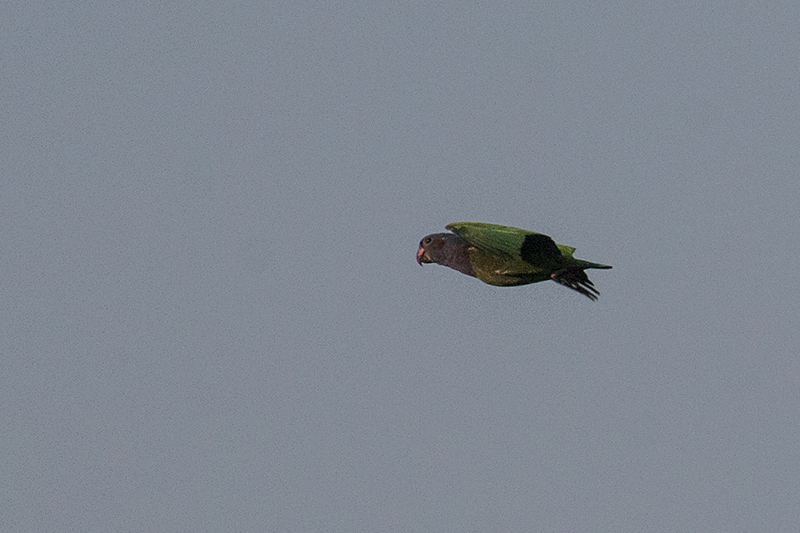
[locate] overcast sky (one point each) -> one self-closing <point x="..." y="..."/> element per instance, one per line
<point x="212" y="319"/>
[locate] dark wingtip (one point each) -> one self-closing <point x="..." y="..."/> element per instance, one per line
<point x="577" y="280"/>
<point x="537" y="247"/>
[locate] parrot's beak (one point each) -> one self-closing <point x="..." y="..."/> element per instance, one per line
<point x="421" y="255"/>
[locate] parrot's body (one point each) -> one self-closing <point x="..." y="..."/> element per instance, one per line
<point x="506" y="256"/>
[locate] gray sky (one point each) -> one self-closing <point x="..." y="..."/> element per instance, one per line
<point x="212" y="319"/>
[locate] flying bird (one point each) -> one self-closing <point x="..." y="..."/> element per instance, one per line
<point x="506" y="256"/>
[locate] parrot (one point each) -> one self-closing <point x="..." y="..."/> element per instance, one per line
<point x="506" y="256"/>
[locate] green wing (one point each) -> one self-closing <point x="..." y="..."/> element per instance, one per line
<point x="512" y="242"/>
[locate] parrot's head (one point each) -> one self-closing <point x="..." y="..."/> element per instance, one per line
<point x="430" y="248"/>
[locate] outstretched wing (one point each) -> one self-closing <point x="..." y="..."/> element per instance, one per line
<point x="516" y="243"/>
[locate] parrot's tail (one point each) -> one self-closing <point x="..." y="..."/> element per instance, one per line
<point x="589" y="264"/>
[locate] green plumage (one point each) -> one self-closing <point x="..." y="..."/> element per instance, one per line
<point x="507" y="256"/>
<point x="498" y="239"/>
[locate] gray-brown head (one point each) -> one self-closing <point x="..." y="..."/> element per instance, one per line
<point x="445" y="249"/>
